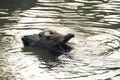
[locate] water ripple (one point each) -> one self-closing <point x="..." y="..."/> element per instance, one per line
<point x="96" y="44"/>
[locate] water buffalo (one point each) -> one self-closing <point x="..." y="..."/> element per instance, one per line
<point x="49" y="40"/>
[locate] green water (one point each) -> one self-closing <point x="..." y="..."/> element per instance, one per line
<point x="96" y="53"/>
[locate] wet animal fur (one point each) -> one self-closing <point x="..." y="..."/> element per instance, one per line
<point x="49" y="40"/>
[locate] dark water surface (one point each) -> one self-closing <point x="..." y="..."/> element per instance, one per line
<point x="95" y="23"/>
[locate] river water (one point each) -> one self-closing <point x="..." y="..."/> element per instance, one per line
<point x="96" y="53"/>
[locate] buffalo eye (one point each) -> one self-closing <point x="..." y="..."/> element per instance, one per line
<point x="51" y="32"/>
<point x="40" y="35"/>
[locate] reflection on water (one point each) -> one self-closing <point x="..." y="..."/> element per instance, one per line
<point x="95" y="24"/>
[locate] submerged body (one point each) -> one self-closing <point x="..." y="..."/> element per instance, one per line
<point x="49" y="40"/>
